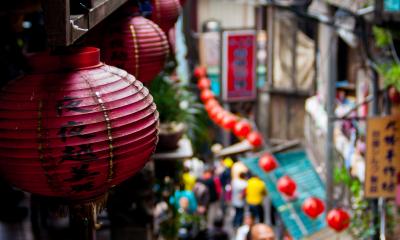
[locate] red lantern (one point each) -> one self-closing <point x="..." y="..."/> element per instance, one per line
<point x="287" y="186"/>
<point x="203" y="83"/>
<point x="182" y="2"/>
<point x="213" y="112"/>
<point x="200" y="72"/>
<point x="211" y="104"/>
<point x="313" y="207"/>
<point x="242" y="128"/>
<point x="75" y="127"/>
<point x="394" y="95"/>
<point x="165" y="13"/>
<point x="206" y="95"/>
<point x="138" y="46"/>
<point x="220" y="116"/>
<point x="229" y="121"/>
<point x="255" y="139"/>
<point x="267" y="162"/>
<point x="338" y="219"/>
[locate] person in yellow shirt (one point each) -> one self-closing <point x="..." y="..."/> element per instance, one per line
<point x="255" y="193"/>
<point x="188" y="179"/>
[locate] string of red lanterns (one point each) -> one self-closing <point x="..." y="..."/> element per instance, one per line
<point x="241" y="128"/>
<point x="313" y="207"/>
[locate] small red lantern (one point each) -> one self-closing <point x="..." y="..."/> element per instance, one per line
<point x="267" y="162"/>
<point x="229" y="121"/>
<point x="242" y="128"/>
<point x="206" y="95"/>
<point x="136" y="45"/>
<point x="287" y="186"/>
<point x="200" y="72"/>
<point x="313" y="207"/>
<point x="213" y="112"/>
<point x="220" y="116"/>
<point x="211" y="104"/>
<point x="204" y="83"/>
<point x="394" y="95"/>
<point x="255" y="139"/>
<point x="165" y="13"/>
<point x="75" y="127"/>
<point x="338" y="219"/>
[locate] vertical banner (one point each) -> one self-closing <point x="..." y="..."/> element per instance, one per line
<point x="210" y="49"/>
<point x="238" y="68"/>
<point x="383" y="157"/>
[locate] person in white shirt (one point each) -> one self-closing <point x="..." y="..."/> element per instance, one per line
<point x="238" y="200"/>
<point x="243" y="231"/>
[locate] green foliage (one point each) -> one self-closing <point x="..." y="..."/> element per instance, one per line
<point x="382" y="36"/>
<point x="391" y="74"/>
<point x="361" y="226"/>
<point x="175" y="103"/>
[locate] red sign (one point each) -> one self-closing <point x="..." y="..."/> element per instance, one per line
<point x="239" y="65"/>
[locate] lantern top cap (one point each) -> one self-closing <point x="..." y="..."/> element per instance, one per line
<point x="73" y="58"/>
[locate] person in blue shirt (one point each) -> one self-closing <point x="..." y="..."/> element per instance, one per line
<point x="182" y="193"/>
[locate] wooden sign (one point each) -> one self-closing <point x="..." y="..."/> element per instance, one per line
<point x="238" y="65"/>
<point x="383" y="157"/>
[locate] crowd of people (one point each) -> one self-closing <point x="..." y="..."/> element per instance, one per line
<point x="204" y="196"/>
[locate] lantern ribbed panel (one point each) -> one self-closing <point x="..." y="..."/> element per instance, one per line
<point x="165" y="13"/>
<point x="74" y="134"/>
<point x="138" y="46"/>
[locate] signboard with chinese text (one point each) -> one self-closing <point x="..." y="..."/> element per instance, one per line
<point x="382" y="157"/>
<point x="238" y="68"/>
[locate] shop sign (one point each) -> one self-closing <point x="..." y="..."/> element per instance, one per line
<point x="238" y="65"/>
<point x="382" y="157"/>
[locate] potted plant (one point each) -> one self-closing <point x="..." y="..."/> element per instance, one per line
<point x="180" y="113"/>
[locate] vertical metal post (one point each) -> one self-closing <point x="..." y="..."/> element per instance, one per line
<point x="330" y="108"/>
<point x="270" y="53"/>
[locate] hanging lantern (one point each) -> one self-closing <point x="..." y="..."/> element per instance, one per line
<point x="200" y="72"/>
<point x="287" y="186"/>
<point x="338" y="219"/>
<point x="267" y="162"/>
<point x="136" y="45"/>
<point x="255" y="139"/>
<point x="229" y="121"/>
<point x="203" y="83"/>
<point x="213" y="112"/>
<point x="165" y="13"/>
<point x="75" y="127"/>
<point x="220" y="116"/>
<point x="206" y="95"/>
<point x="182" y="2"/>
<point x="211" y="104"/>
<point x="242" y="128"/>
<point x="313" y="207"/>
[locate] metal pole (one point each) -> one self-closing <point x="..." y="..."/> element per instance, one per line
<point x="330" y="108"/>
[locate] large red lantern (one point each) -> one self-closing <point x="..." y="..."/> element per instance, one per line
<point x="74" y="127"/>
<point x="313" y="207"/>
<point x="338" y="219"/>
<point x="267" y="162"/>
<point x="255" y="139"/>
<point x="136" y="45"/>
<point x="287" y="186"/>
<point x="242" y="128"/>
<point x="165" y="13"/>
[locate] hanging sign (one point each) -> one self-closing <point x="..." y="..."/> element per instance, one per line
<point x="238" y="65"/>
<point x="383" y="157"/>
<point x="210" y="49"/>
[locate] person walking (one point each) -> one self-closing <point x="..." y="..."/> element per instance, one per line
<point x="255" y="193"/>
<point x="238" y="198"/>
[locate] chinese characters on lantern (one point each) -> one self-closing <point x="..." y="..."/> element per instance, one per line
<point x="81" y="176"/>
<point x="383" y="156"/>
<point x="238" y="65"/>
